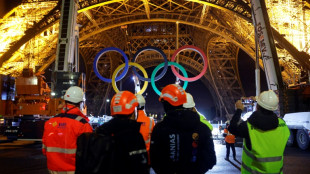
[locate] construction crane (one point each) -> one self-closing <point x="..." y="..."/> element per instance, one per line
<point x="29" y="101"/>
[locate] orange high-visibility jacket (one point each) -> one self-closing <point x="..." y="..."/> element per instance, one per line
<point x="230" y="138"/>
<point x="147" y="125"/>
<point x="59" y="139"/>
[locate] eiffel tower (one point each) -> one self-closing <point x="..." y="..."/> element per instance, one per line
<point x="221" y="28"/>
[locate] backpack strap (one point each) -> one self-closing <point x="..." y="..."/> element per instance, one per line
<point x="73" y="116"/>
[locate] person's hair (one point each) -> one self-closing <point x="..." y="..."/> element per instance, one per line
<point x="140" y="108"/>
<point x="75" y="104"/>
<point x="168" y="107"/>
<point x="263" y="110"/>
<point x="123" y="116"/>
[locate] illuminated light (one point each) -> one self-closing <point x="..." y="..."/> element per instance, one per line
<point x="98" y="5"/>
<point x="13" y="27"/>
<point x="108" y="100"/>
<point x="285" y="16"/>
<point x="208" y="4"/>
<point x="53" y="93"/>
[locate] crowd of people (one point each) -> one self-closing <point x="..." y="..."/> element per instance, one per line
<point x="179" y="144"/>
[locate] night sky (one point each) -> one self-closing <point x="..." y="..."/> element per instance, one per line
<point x="246" y="66"/>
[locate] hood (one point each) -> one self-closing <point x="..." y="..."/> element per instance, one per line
<point x="117" y="125"/>
<point x="264" y="121"/>
<point x="184" y="119"/>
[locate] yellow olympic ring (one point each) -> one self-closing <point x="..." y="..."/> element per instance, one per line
<point x="130" y="64"/>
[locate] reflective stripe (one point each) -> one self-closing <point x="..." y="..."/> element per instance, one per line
<point x="256" y="172"/>
<point x="61" y="172"/>
<point x="78" y="118"/>
<point x="151" y="123"/>
<point x="267" y="159"/>
<point x="60" y="150"/>
<point x="169" y="96"/>
<point x="137" y="152"/>
<point x="128" y="106"/>
<point x="250" y="170"/>
<point x="132" y="101"/>
<point x="150" y="130"/>
<point x="43" y="146"/>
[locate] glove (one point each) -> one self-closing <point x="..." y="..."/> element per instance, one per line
<point x="239" y="105"/>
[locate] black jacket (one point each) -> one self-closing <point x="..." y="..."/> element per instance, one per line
<point x="131" y="156"/>
<point x="181" y="144"/>
<point x="261" y="119"/>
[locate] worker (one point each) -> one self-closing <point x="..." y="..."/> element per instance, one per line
<point x="131" y="154"/>
<point x="61" y="132"/>
<point x="265" y="135"/>
<point x="230" y="142"/>
<point x="180" y="144"/>
<point x="190" y="104"/>
<point x="147" y="123"/>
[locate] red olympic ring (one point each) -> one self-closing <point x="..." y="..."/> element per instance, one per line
<point x="202" y="54"/>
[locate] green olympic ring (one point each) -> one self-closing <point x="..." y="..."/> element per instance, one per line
<point x="169" y="64"/>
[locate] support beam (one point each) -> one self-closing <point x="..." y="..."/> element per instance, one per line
<point x="204" y="13"/>
<point x="147" y="8"/>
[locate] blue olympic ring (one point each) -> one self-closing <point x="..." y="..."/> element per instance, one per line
<point x="122" y="75"/>
<point x="153" y="49"/>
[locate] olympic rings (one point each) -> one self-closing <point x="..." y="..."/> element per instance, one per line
<point x="169" y="64"/>
<point x="105" y="50"/>
<point x="202" y="54"/>
<point x="153" y="49"/>
<point x="153" y="76"/>
<point x="130" y="64"/>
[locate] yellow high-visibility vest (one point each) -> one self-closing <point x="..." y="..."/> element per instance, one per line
<point x="266" y="155"/>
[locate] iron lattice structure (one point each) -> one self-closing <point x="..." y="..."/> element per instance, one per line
<point x="219" y="27"/>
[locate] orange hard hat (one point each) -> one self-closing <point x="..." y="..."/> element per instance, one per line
<point x="123" y="103"/>
<point x="174" y="94"/>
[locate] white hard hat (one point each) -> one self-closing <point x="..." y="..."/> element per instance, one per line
<point x="141" y="100"/>
<point x="74" y="94"/>
<point x="190" y="101"/>
<point x="268" y="100"/>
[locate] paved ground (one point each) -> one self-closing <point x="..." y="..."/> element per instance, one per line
<point x="222" y="166"/>
<point x="22" y="157"/>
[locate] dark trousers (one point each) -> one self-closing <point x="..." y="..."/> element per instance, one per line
<point x="232" y="146"/>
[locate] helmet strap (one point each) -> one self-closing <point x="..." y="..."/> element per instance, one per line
<point x="66" y="108"/>
<point x="136" y="114"/>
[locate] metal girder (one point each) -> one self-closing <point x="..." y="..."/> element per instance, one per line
<point x="224" y="73"/>
<point x="238" y="6"/>
<point x="119" y="7"/>
<point x="101" y="29"/>
<point x="97" y="89"/>
<point x="171" y="18"/>
<point x="147" y="34"/>
<point x="37" y="28"/>
<point x="147" y="8"/>
<point x="204" y="12"/>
